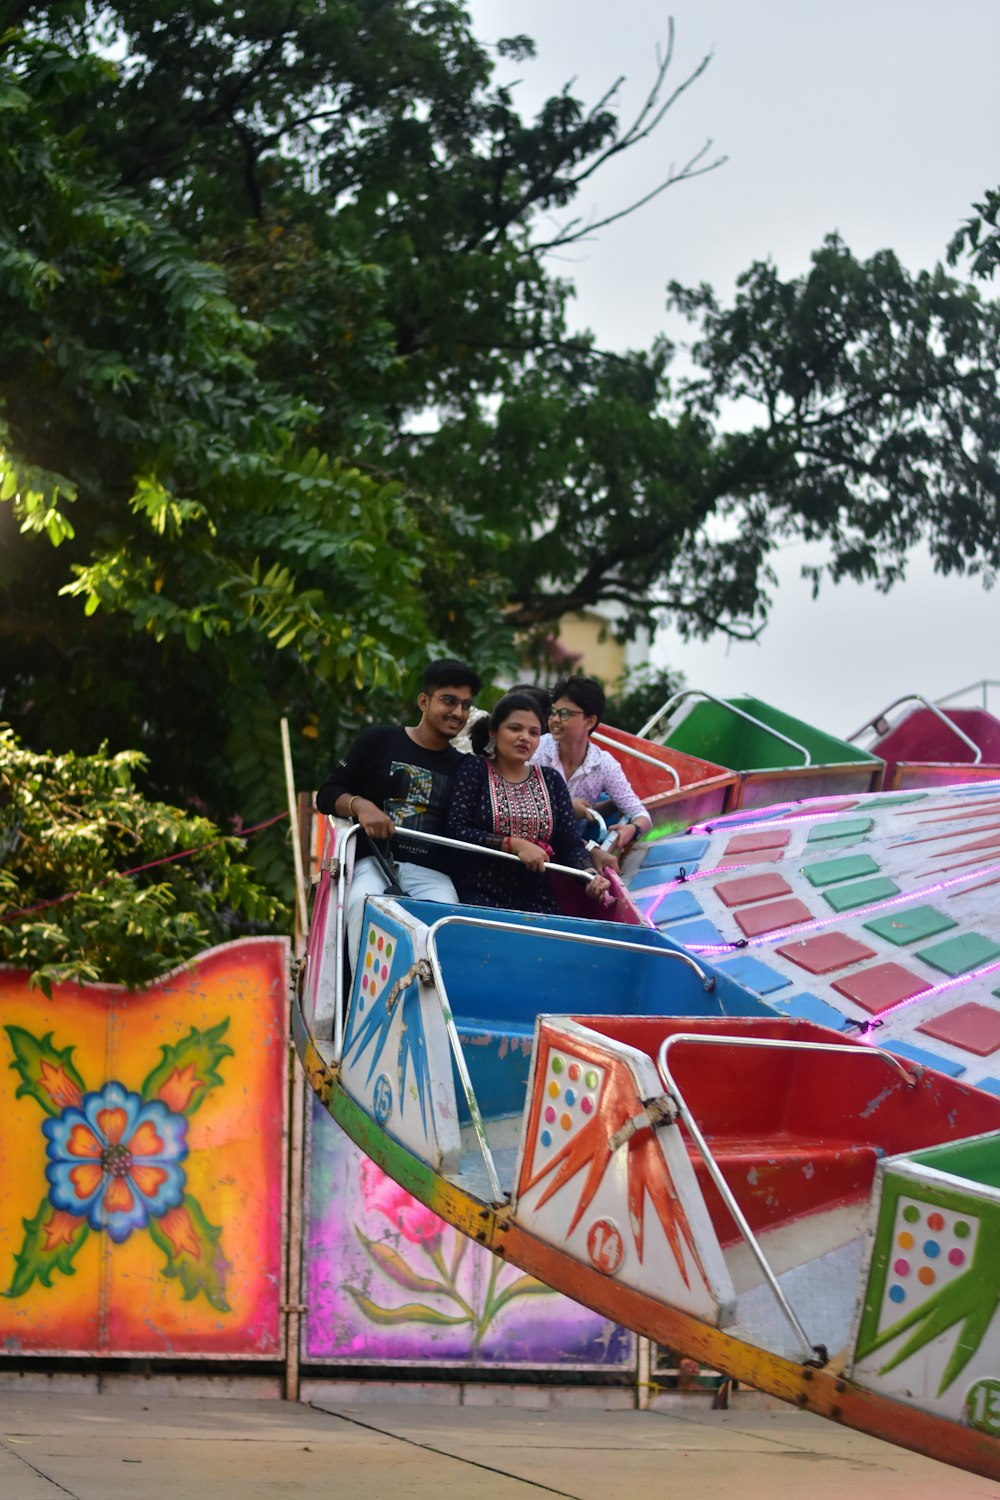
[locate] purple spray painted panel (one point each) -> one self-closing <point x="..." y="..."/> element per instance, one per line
<point x="387" y="1282"/>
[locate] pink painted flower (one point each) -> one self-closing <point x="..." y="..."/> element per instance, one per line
<point x="414" y="1221"/>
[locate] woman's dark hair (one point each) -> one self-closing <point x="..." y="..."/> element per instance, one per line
<point x="510" y="703"/>
<point x="541" y="695"/>
<point x="585" y="692"/>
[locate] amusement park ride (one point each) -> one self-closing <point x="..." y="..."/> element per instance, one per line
<point x="755" y="1117"/>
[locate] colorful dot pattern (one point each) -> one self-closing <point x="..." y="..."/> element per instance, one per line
<point x="379" y="947"/>
<point x="571" y="1092"/>
<point x="931" y="1246"/>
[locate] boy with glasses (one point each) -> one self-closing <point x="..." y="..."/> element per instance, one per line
<point x="395" y="776"/>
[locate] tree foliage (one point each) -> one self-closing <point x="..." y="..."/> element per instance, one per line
<point x="73" y="828"/>
<point x="872" y="419"/>
<point x="291" y="398"/>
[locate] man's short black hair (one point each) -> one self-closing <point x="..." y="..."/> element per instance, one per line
<point x="585" y="692"/>
<point x="447" y="673"/>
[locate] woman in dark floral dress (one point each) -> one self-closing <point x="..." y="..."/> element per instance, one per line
<point x="497" y="800"/>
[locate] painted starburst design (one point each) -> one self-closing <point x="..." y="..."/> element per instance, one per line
<point x="589" y="1152"/>
<point x="115" y="1161"/>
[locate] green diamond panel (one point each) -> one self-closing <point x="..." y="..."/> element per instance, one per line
<point x="958" y="955"/>
<point x="847" y="867"/>
<point x="910" y="924"/>
<point x="847" y="828"/>
<point x="861" y="893"/>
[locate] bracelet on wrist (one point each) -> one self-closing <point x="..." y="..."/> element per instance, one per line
<point x="350" y="805"/>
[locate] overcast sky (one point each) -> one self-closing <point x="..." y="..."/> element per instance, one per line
<point x="879" y="120"/>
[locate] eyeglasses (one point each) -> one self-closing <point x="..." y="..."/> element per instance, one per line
<point x="448" y="700"/>
<point x="566" y="713"/>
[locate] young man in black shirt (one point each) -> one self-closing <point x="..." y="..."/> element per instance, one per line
<point x="394" y="776"/>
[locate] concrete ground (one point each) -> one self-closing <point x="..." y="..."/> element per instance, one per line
<point x="57" y="1446"/>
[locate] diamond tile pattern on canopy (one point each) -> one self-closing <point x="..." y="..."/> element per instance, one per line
<point x="825" y="952"/>
<point x="957" y="955"/>
<point x="752" y="888"/>
<point x="844" y="867"/>
<point x="973" y="1027"/>
<point x="860" y="893"/>
<point x="834" y="831"/>
<point x="918" y="894"/>
<point x="758" y="841"/>
<point x="908" y="924"/>
<point x="877" y="988"/>
<point x="772" y="916"/>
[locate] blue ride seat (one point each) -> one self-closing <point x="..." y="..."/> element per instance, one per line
<point x="499" y="982"/>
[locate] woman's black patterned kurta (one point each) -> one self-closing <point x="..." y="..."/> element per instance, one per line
<point x="485" y="809"/>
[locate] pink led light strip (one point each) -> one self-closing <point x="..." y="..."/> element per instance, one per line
<point x="860" y="911"/>
<point x="664" y="890"/>
<point x="733" y="820"/>
<point x="943" y="988"/>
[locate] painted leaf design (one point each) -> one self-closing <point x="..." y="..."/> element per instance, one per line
<point x="969" y="1300"/>
<point x="51" y="1240"/>
<point x="187" y="1072"/>
<point x="393" y="1264"/>
<point x="47" y="1074"/>
<point x="462" y="1244"/>
<point x="193" y="1253"/>
<point x="523" y="1286"/>
<point x="411" y="1312"/>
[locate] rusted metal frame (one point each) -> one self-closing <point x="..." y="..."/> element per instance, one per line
<point x="823" y="1391"/>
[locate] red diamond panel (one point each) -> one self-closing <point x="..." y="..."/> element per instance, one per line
<point x="752" y="888"/>
<point x="771" y="916"/>
<point x="884" y="985"/>
<point x="828" y="951"/>
<point x="761" y="838"/>
<point x="974" y="1028"/>
<point x="750" y="857"/>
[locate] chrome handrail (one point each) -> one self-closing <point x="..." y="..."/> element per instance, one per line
<point x="340" y="848"/>
<point x="873" y="723"/>
<point x="458" y="920"/>
<point x="593" y="816"/>
<point x="740" y="713"/>
<point x="726" y="1192"/>
<point x="343" y="839"/>
<point x="439" y="838"/>
<point x="984" y="682"/>
<point x="661" y="765"/>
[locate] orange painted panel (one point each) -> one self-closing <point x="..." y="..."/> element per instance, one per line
<point x="142" y="1138"/>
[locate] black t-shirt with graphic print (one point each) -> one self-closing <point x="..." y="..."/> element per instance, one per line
<point x="405" y="780"/>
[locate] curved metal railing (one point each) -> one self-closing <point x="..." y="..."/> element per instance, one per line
<point x="712" y="1166"/>
<point x="740" y="713"/>
<point x="881" y="719"/>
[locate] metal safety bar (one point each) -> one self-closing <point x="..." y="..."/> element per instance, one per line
<point x="456" y="920"/>
<point x="343" y="838"/>
<point x="881" y="718"/>
<point x="593" y="816"/>
<point x="984" y="682"/>
<point x="731" y="707"/>
<point x="439" y="838"/>
<point x="737" y="1214"/>
<point x="651" y="760"/>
